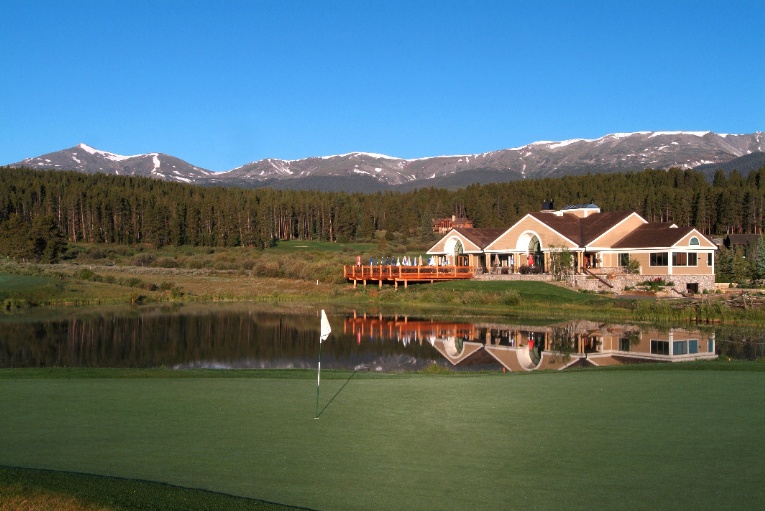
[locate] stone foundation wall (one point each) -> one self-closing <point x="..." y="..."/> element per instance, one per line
<point x="620" y="282"/>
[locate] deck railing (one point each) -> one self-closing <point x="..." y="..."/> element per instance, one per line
<point x="404" y="273"/>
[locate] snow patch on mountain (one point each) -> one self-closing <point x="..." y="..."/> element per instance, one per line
<point x="565" y="143"/>
<point x="615" y="152"/>
<point x="107" y="155"/>
<point x="694" y="133"/>
<point x="357" y="154"/>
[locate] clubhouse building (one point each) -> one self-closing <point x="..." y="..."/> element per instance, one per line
<point x="610" y="250"/>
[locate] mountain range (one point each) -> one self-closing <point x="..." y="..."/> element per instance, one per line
<point x="367" y="172"/>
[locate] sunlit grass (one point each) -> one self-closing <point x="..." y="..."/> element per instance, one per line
<point x="45" y="490"/>
<point x="611" y="439"/>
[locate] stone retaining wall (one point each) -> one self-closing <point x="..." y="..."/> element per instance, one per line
<point x="618" y="281"/>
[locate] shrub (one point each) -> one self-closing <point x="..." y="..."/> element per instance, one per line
<point x="14" y="303"/>
<point x="633" y="266"/>
<point x="656" y="284"/>
<point x="198" y="264"/>
<point x="511" y="297"/>
<point x="85" y="274"/>
<point x="96" y="253"/>
<point x="166" y="262"/>
<point x="131" y="282"/>
<point x="143" y="259"/>
<point x="434" y="368"/>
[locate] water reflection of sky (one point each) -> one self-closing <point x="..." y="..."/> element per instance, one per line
<point x="244" y="337"/>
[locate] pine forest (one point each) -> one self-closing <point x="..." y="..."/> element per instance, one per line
<point x="37" y="206"/>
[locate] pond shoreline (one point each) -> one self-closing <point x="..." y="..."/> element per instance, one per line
<point x="73" y="285"/>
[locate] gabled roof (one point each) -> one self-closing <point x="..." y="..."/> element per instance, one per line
<point x="743" y="239"/>
<point x="582" y="230"/>
<point x="566" y="225"/>
<point x="595" y="226"/>
<point x="653" y="235"/>
<point x="480" y="236"/>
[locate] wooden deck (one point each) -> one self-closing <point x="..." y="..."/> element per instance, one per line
<point x="405" y="274"/>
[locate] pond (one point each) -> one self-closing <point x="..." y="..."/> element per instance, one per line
<point x="242" y="336"/>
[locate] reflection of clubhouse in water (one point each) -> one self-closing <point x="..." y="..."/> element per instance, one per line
<point x="528" y="348"/>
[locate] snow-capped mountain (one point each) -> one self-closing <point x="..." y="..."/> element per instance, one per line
<point x="619" y="152"/>
<point x="84" y="158"/>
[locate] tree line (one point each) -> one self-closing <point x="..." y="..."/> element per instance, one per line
<point x="100" y="208"/>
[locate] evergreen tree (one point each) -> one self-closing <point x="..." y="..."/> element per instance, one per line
<point x="758" y="265"/>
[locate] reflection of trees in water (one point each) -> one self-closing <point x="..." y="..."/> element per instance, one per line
<point x="744" y="343"/>
<point x="151" y="341"/>
<point x="459" y="344"/>
<point x="629" y="340"/>
<point x="563" y="341"/>
<point x="168" y="338"/>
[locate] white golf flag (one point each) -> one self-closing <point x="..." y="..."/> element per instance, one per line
<point x="325" y="329"/>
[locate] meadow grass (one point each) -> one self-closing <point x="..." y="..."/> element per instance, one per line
<point x="675" y="436"/>
<point x="311" y="272"/>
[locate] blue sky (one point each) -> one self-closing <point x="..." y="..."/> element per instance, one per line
<point x="223" y="83"/>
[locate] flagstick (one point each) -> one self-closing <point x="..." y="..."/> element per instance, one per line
<point x="325" y="331"/>
<point x="318" y="382"/>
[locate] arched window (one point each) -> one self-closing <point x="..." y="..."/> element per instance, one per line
<point x="534" y="246"/>
<point x="694" y="241"/>
<point x="535" y="257"/>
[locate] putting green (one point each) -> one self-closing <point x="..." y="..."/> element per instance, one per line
<point x="574" y="440"/>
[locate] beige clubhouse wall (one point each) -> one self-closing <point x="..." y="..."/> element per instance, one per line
<point x="508" y="241"/>
<point x="618" y="232"/>
<point x="644" y="259"/>
<point x="612" y="342"/>
<point x="701" y="268"/>
<point x="467" y="245"/>
<point x="703" y="242"/>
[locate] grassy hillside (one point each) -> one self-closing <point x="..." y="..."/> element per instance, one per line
<point x="312" y="272"/>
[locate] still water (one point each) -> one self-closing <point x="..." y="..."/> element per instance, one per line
<point x="242" y="336"/>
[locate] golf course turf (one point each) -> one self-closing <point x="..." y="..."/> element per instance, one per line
<point x="602" y="439"/>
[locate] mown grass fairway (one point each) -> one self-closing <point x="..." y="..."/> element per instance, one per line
<point x="624" y="439"/>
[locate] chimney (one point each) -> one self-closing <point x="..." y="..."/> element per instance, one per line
<point x="548" y="205"/>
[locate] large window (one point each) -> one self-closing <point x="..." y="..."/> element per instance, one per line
<point x="685" y="347"/>
<point x="624" y="259"/>
<point x="710" y="259"/>
<point x="659" y="347"/>
<point x="684" y="259"/>
<point x="659" y="259"/>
